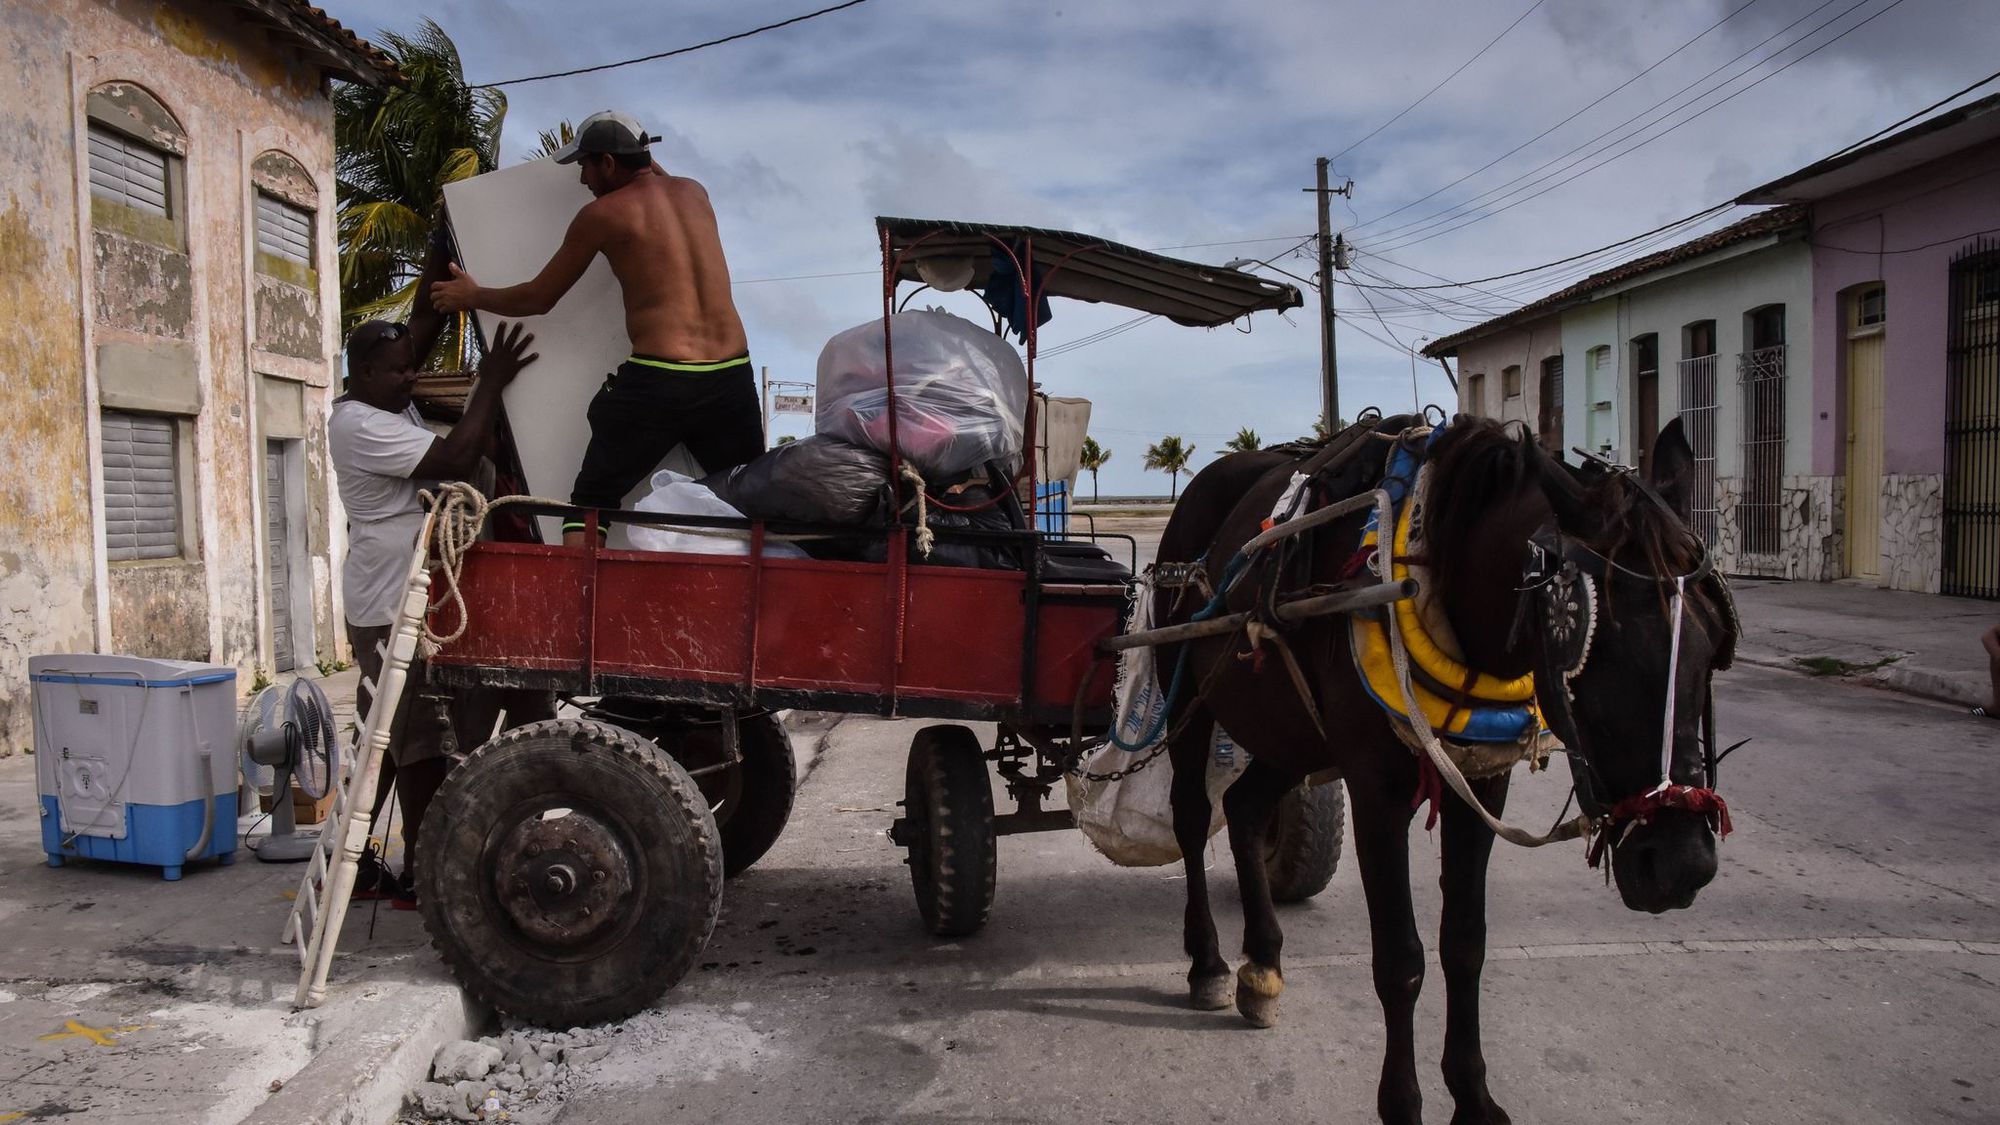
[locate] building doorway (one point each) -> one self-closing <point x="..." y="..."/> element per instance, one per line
<point x="1866" y="320"/>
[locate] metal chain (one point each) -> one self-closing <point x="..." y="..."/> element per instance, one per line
<point x="1076" y="770"/>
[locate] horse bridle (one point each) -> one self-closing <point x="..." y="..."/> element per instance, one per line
<point x="1563" y="575"/>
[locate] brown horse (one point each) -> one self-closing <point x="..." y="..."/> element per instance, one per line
<point x="1501" y="520"/>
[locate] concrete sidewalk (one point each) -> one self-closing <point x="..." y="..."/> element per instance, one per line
<point x="124" y="997"/>
<point x="1918" y="644"/>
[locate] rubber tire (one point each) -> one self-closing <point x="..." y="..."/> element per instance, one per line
<point x="948" y="800"/>
<point x="676" y="855"/>
<point x="767" y="784"/>
<point x="1302" y="851"/>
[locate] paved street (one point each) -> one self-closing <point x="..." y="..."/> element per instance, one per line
<point x="1845" y="966"/>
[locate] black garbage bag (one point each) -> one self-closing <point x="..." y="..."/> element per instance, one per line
<point x="946" y="550"/>
<point x="818" y="479"/>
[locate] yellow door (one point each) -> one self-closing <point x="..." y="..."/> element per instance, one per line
<point x="1865" y="329"/>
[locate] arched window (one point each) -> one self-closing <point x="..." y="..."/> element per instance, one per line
<point x="138" y="184"/>
<point x="286" y="206"/>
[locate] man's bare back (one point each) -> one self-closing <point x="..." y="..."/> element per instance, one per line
<point x="658" y="233"/>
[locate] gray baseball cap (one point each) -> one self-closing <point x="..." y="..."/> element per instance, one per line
<point x="619" y="134"/>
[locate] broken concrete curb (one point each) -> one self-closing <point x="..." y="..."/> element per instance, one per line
<point x="385" y="1047"/>
<point x="1900" y="677"/>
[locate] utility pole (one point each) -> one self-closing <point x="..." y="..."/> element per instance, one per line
<point x="1332" y="253"/>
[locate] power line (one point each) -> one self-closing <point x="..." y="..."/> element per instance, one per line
<point x="1586" y="109"/>
<point x="1482" y="217"/>
<point x="1696" y="217"/>
<point x="1452" y="211"/>
<point x="675" y="51"/>
<point x="1891" y="127"/>
<point x="1301" y="240"/>
<point x="1440" y="85"/>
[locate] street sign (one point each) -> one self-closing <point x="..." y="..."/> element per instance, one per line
<point x="791" y="404"/>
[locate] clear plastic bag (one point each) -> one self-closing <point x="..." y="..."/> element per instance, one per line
<point x="675" y="494"/>
<point x="961" y="392"/>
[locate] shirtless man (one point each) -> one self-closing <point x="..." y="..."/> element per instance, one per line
<point x="689" y="377"/>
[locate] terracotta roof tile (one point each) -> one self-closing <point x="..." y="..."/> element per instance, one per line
<point x="360" y="60"/>
<point x="1776" y="220"/>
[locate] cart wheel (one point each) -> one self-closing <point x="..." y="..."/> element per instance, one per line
<point x="569" y="872"/>
<point x="1302" y="848"/>
<point x="948" y="802"/>
<point x="758" y="799"/>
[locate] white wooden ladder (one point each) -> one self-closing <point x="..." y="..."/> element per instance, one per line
<point x="313" y="924"/>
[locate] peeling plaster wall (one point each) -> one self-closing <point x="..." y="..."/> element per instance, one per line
<point x="74" y="281"/>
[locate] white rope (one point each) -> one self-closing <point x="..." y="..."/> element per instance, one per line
<point x="925" y="536"/>
<point x="1673" y="674"/>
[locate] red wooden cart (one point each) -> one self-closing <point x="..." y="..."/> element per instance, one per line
<point x="572" y="869"/>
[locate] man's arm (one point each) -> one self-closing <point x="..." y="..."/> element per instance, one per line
<point x="426" y="322"/>
<point x="456" y="455"/>
<point x="530" y="298"/>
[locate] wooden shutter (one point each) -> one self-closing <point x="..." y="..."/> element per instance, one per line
<point x="141" y="497"/>
<point x="284" y="230"/>
<point x="124" y="171"/>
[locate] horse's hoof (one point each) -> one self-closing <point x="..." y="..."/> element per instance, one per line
<point x="1257" y="989"/>
<point x="1210" y="993"/>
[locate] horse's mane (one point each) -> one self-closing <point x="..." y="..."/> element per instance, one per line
<point x="1479" y="468"/>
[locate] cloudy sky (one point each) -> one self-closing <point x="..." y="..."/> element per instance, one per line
<point x="1194" y="125"/>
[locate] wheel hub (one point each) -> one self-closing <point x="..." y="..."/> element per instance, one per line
<point x="562" y="879"/>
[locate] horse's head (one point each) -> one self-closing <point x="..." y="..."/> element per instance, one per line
<point x="1634" y="620"/>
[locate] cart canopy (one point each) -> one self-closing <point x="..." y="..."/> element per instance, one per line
<point x="1082" y="267"/>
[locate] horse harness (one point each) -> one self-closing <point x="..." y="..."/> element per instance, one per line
<point x="1561" y="580"/>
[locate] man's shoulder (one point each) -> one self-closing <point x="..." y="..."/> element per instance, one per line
<point x="351" y="418"/>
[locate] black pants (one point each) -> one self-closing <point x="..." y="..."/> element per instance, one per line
<point x="645" y="409"/>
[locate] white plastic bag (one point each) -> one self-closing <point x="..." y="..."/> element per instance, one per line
<point x="676" y="494"/>
<point x="1131" y="820"/>
<point x="961" y="392"/>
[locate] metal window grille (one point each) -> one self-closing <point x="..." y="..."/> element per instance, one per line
<point x="1971" y="563"/>
<point x="1698" y="412"/>
<point x="1760" y="373"/>
<point x="141" y="493"/>
<point x="124" y="171"/>
<point x="284" y="231"/>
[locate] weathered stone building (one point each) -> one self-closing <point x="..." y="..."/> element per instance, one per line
<point x="169" y="314"/>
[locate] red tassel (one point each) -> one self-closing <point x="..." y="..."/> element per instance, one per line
<point x="1430" y="787"/>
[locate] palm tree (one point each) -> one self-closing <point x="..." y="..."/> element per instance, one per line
<point x="549" y="140"/>
<point x="1169" y="455"/>
<point x="1093" y="458"/>
<point x="394" y="150"/>
<point x="1245" y="441"/>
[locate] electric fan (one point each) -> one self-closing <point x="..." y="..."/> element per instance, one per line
<point x="287" y="733"/>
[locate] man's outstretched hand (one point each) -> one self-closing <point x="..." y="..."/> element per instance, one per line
<point x="454" y="294"/>
<point x="507" y="359"/>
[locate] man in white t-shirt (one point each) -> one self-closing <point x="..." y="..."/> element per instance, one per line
<point x="381" y="453"/>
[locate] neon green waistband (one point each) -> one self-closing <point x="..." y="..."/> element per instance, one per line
<point x="670" y="365"/>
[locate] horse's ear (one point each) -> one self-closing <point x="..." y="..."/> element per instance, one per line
<point x="1672" y="468"/>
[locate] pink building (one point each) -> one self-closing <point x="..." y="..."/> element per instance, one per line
<point x="1905" y="245"/>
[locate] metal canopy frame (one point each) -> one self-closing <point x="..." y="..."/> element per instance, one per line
<point x="1091" y="269"/>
